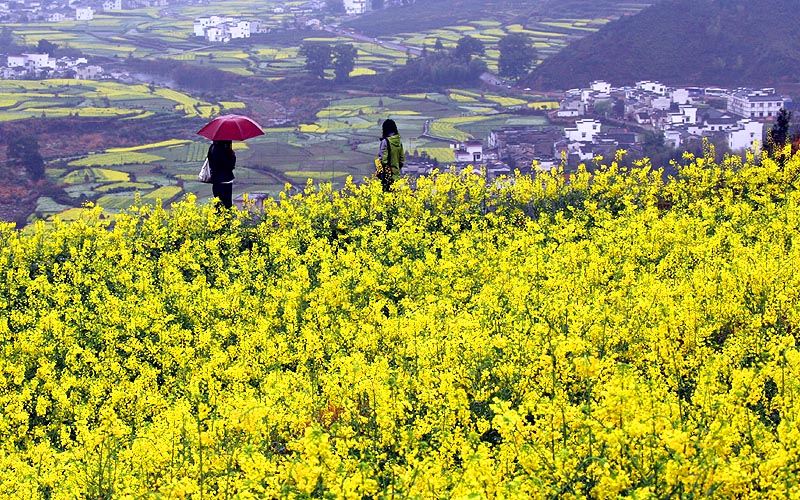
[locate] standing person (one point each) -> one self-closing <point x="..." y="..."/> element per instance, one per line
<point x="390" y="155"/>
<point x="222" y="161"/>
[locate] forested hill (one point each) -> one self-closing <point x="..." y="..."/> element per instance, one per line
<point x="715" y="42"/>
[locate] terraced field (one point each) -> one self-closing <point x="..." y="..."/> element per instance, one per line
<point x="21" y="99"/>
<point x="340" y="142"/>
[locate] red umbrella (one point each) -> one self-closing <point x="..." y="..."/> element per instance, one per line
<point x="231" y="128"/>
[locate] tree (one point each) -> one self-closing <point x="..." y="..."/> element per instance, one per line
<point x="468" y="46"/>
<point x="438" y="46"/>
<point x="318" y="58"/>
<point x="657" y="150"/>
<point x="619" y="108"/>
<point x="6" y="39"/>
<point x="517" y="55"/>
<point x="778" y="134"/>
<point x="377" y="4"/>
<point x="344" y="60"/>
<point x="603" y="108"/>
<point x="335" y="6"/>
<point x="23" y="151"/>
<point x="47" y="47"/>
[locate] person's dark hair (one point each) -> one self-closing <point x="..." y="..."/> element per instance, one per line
<point x="222" y="146"/>
<point x="389" y="128"/>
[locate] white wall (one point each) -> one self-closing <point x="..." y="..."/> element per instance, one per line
<point x="84" y="14"/>
<point x="744" y="137"/>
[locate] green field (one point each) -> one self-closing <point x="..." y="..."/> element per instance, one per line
<point x="341" y="142"/>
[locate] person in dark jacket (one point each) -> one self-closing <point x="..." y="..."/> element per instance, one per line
<point x="390" y="155"/>
<point x="222" y="161"/>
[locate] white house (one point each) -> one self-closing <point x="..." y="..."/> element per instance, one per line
<point x="31" y="61"/>
<point x="239" y="29"/>
<point x="675" y="119"/>
<point x="355" y="7"/>
<point x="672" y="138"/>
<point x="84" y="14"/>
<point x="680" y="96"/>
<point x="719" y="124"/>
<point x="747" y="135"/>
<point x="221" y="29"/>
<point x="112" y="5"/>
<point x="571" y="108"/>
<point x="468" y="152"/>
<point x="16" y="61"/>
<point x="202" y="23"/>
<point x="601" y="87"/>
<point x="584" y="131"/>
<point x="689" y="113"/>
<point x="215" y="34"/>
<point x="662" y="102"/>
<point x="654" y="87"/>
<point x="759" y="104"/>
<point x="56" y="17"/>
<point x="88" y="72"/>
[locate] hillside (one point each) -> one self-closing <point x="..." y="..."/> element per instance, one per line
<point x="713" y="42"/>
<point x="432" y="14"/>
<point x="607" y="337"/>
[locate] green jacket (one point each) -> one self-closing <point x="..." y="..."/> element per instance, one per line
<point x="391" y="153"/>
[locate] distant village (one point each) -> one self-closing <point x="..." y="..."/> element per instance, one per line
<point x="55" y="11"/>
<point x="601" y="119"/>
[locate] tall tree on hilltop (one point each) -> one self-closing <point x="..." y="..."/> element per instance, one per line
<point x="517" y="55"/>
<point x="344" y="60"/>
<point x="318" y="58"/>
<point x="468" y="46"/>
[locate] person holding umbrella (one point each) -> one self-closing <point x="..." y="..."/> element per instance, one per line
<point x="222" y="161"/>
<point x="222" y="130"/>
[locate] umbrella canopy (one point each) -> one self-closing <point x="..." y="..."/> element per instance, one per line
<point x="231" y="128"/>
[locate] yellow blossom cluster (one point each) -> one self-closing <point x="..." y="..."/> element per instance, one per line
<point x="604" y="334"/>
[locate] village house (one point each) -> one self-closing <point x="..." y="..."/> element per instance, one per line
<point x="520" y="146"/>
<point x="84" y="14"/>
<point x="467" y="152"/>
<point x="355" y="7"/>
<point x="584" y="131"/>
<point x="747" y="135"/>
<point x="762" y="104"/>
<point x="31" y="62"/>
<point x="571" y="108"/>
<point x="652" y="87"/>
<point x="38" y="65"/>
<point x="221" y="29"/>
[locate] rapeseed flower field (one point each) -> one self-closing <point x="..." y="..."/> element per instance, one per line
<point x="598" y="335"/>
